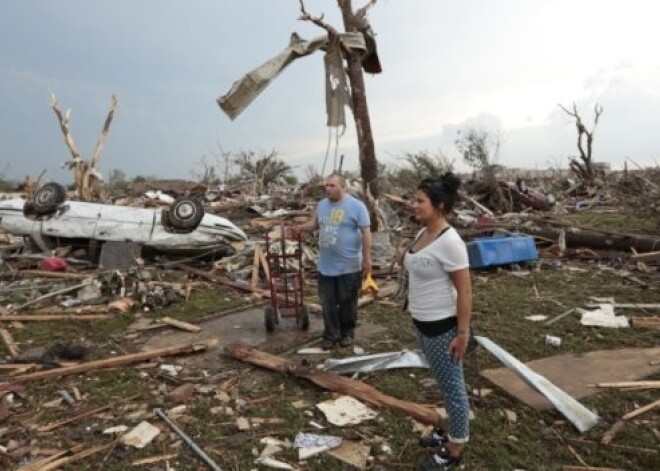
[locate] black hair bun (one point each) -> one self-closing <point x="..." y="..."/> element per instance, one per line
<point x="451" y="182"/>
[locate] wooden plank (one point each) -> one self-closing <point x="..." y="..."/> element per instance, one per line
<point x="181" y="325"/>
<point x="255" y="267"/>
<point x="75" y="457"/>
<point x="336" y="383"/>
<point x="264" y="263"/>
<point x="107" y="363"/>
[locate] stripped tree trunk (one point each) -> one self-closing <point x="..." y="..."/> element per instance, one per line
<point x="85" y="173"/>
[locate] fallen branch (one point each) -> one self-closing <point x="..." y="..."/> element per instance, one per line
<point x="336" y="383"/>
<point x="107" y="363"/>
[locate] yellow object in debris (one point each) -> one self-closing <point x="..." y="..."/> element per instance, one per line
<point x="369" y="286"/>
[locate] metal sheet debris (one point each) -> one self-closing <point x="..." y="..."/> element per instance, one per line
<point x="376" y="362"/>
<point x="580" y="416"/>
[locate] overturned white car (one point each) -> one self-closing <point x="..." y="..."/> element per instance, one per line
<point x="183" y="226"/>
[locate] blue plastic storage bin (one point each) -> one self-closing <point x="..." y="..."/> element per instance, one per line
<point x="500" y="250"/>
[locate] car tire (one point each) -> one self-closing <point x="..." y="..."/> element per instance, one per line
<point x="185" y="214"/>
<point x="48" y="198"/>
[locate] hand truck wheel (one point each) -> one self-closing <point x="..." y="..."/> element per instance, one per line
<point x="304" y="318"/>
<point x="270" y="318"/>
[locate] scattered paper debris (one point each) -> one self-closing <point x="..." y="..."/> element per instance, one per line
<point x="345" y="410"/>
<point x="603" y="317"/>
<point x="141" y="435"/>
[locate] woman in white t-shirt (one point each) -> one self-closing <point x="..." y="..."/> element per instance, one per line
<point x="440" y="301"/>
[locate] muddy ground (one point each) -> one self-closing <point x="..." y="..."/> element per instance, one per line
<point x="506" y="433"/>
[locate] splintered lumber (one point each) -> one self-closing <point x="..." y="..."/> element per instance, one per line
<point x="646" y="322"/>
<point x="108" y="363"/>
<point x="334" y="382"/>
<point x="57" y="464"/>
<point x="645" y="257"/>
<point x="154" y="459"/>
<point x="622" y="448"/>
<point x="84" y="415"/>
<point x="609" y="435"/>
<point x="38" y="299"/>
<point x="221" y="279"/>
<point x="180" y="324"/>
<point x="641" y="410"/>
<point x="588" y="468"/>
<point x="56" y="317"/>
<point x="630" y="384"/>
<point x="255" y="267"/>
<point x="37" y="465"/>
<point x="54" y="274"/>
<point x="9" y="342"/>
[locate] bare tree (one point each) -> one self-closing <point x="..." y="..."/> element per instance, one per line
<point x="205" y="172"/>
<point x="356" y="22"/>
<point x="85" y="172"/>
<point x="480" y="149"/>
<point x="584" y="167"/>
<point x="263" y="170"/>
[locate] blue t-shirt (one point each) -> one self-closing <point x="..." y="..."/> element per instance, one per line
<point x="340" y="235"/>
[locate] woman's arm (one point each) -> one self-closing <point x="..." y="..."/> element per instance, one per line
<point x="463" y="285"/>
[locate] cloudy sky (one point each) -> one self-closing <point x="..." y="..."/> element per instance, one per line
<point x="503" y="65"/>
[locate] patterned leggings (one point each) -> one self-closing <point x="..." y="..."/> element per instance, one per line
<point x="449" y="376"/>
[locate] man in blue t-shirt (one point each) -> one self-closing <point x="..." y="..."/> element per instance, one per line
<point x="344" y="256"/>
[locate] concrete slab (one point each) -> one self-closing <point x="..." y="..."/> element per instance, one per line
<point x="248" y="327"/>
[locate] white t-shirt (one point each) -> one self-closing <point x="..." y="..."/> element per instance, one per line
<point x="431" y="293"/>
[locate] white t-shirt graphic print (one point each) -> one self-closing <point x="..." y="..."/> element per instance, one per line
<point x="431" y="294"/>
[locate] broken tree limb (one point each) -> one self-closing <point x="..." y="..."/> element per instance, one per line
<point x="598" y="239"/>
<point x="336" y="383"/>
<point x="108" y="363"/>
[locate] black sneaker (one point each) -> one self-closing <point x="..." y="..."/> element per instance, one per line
<point x="436" y="438"/>
<point x="328" y="344"/>
<point x="442" y="461"/>
<point x="346" y="341"/>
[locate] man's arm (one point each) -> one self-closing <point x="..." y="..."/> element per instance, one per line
<point x="366" y="250"/>
<point x="310" y="225"/>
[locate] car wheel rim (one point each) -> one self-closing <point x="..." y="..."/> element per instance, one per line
<point x="45" y="196"/>
<point x="185" y="211"/>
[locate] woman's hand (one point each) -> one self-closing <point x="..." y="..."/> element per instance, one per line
<point x="458" y="347"/>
